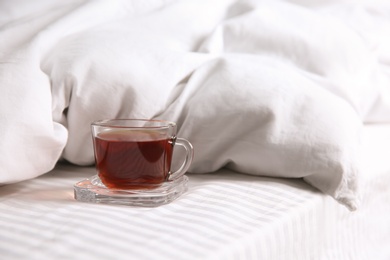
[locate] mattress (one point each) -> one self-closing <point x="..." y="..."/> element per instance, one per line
<point x="223" y="215"/>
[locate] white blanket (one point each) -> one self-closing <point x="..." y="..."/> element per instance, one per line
<point x="272" y="88"/>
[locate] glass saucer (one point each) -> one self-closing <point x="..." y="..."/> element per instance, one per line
<point x="92" y="190"/>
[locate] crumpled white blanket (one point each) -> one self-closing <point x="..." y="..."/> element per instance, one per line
<point x="271" y="88"/>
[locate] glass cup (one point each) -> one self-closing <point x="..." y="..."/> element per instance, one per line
<point x="136" y="154"/>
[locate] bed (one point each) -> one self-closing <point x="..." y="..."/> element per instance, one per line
<point x="224" y="215"/>
<point x="286" y="103"/>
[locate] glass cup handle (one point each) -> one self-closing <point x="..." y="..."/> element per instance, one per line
<point x="187" y="160"/>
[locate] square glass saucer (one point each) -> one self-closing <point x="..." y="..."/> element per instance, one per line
<point x="92" y="190"/>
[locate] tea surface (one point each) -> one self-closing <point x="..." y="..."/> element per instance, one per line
<point x="132" y="159"/>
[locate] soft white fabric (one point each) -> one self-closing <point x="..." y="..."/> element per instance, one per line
<point x="223" y="216"/>
<point x="272" y="88"/>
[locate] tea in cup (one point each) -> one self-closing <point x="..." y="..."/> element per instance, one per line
<point x="137" y="153"/>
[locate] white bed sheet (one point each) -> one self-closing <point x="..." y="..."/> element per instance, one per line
<point x="224" y="215"/>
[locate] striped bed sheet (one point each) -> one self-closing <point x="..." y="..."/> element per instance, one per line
<point x="224" y="215"/>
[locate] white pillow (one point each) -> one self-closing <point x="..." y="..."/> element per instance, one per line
<point x="262" y="116"/>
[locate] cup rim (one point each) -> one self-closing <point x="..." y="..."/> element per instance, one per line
<point x="111" y="123"/>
